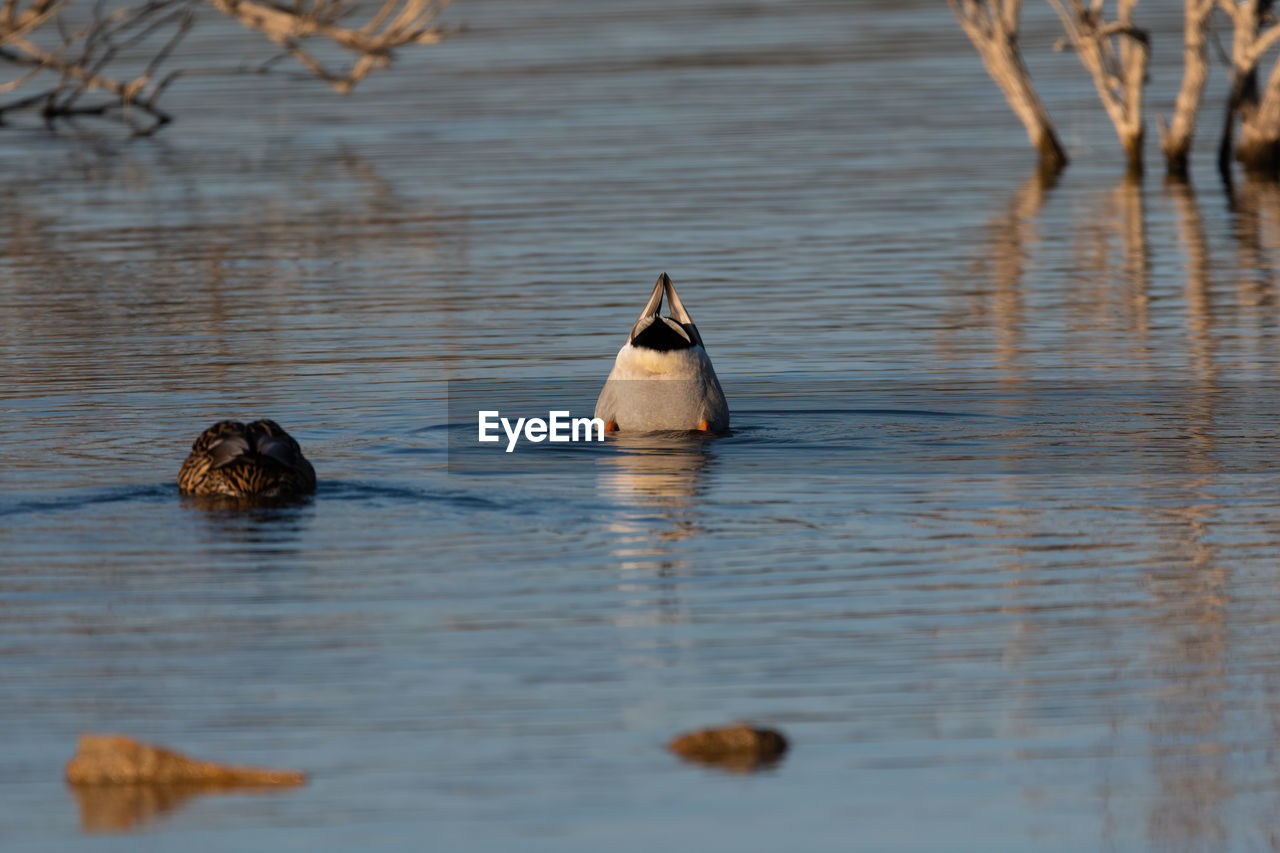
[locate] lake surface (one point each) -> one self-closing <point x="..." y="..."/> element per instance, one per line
<point x="994" y="540"/>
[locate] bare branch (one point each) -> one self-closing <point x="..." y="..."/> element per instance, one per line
<point x="992" y="27"/>
<point x="1264" y="43"/>
<point x="19" y="25"/>
<point x="20" y="80"/>
<point x="1116" y="55"/>
<point x="1240" y="12"/>
<point x="83" y="61"/>
<point x="1256" y="112"/>
<point x="373" y="43"/>
<point x="1176" y="137"/>
<point x="377" y="20"/>
<point x="1010" y="20"/>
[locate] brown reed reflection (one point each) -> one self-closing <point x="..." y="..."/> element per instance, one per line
<point x="1186" y="584"/>
<point x="1199" y="288"/>
<point x="993" y="289"/>
<point x="1112" y="269"/>
<point x="1130" y="200"/>
<point x="1201" y="317"/>
<point x="92" y="290"/>
<point x="1012" y="235"/>
<point x="1185" y="342"/>
<point x="1256" y="228"/>
<point x="1110" y="292"/>
<point x="1190" y="596"/>
<point x="1109" y="278"/>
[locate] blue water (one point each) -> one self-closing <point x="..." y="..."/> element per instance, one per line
<point x="993" y="540"/>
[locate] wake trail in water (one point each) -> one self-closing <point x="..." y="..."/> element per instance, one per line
<point x="156" y="493"/>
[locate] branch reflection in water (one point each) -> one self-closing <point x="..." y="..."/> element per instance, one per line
<point x="1102" y="618"/>
<point x="151" y="316"/>
<point x="1189" y="376"/>
<point x="251" y="528"/>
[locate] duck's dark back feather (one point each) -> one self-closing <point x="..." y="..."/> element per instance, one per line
<point x="246" y="460"/>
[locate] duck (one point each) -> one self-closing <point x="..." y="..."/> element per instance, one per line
<point x="662" y="378"/>
<point x="238" y="460"/>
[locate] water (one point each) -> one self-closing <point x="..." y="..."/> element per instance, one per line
<point x="994" y="539"/>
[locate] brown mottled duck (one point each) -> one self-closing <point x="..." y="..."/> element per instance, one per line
<point x="246" y="461"/>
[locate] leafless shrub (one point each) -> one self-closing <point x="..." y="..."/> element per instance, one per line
<point x="118" y="59"/>
<point x="1116" y="54"/>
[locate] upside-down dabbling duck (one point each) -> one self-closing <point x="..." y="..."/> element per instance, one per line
<point x="662" y="378"/>
<point x="246" y="460"/>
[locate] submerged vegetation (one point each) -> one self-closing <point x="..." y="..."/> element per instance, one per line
<point x="1116" y="52"/>
<point x="116" y="58"/>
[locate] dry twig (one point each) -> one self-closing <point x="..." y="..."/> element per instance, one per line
<point x="143" y="38"/>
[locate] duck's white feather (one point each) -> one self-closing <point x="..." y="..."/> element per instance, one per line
<point x="650" y="390"/>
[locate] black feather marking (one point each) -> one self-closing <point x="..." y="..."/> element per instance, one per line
<point x="664" y="335"/>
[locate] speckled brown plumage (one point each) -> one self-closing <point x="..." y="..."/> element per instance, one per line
<point x="246" y="460"/>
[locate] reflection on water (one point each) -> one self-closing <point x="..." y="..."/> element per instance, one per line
<point x="123" y="808"/>
<point x="656" y="483"/>
<point x="1189" y="585"/>
<point x="1189" y="632"/>
<point x="128" y="808"/>
<point x="1256" y="209"/>
<point x="663" y="472"/>
<point x="995" y="533"/>
<point x="252" y="521"/>
<point x="1012" y="236"/>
